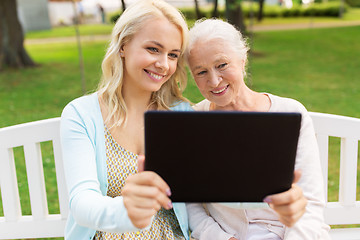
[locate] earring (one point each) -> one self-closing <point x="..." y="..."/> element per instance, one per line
<point x="121" y="54"/>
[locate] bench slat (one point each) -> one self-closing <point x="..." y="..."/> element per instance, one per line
<point x="28" y="227"/>
<point x="335" y="125"/>
<point x="348" y="171"/>
<point x="337" y="214"/>
<point x="60" y="177"/>
<point x="323" y="142"/>
<point x="345" y="234"/>
<point x="9" y="185"/>
<point x="35" y="174"/>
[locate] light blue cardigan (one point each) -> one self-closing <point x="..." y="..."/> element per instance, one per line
<point x="83" y="144"/>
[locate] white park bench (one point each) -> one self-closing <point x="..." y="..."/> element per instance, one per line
<point x="41" y="224"/>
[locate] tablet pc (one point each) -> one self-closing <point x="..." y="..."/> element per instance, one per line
<point x="222" y="156"/>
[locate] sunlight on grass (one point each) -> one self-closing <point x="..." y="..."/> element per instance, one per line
<point x="68" y="31"/>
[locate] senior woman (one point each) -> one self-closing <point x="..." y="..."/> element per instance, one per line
<point x="217" y="56"/>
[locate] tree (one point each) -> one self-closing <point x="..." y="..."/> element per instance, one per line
<point x="12" y="51"/>
<point x="197" y="9"/>
<point x="261" y="10"/>
<point x="215" y="13"/>
<point x="81" y="58"/>
<point x="123" y="5"/>
<point x="234" y="14"/>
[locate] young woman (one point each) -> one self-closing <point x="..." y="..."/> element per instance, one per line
<point x="217" y="55"/>
<point x="102" y="133"/>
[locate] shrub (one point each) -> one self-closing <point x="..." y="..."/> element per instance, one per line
<point x="114" y="17"/>
<point x="189" y="13"/>
<point x="330" y="9"/>
<point x="353" y="3"/>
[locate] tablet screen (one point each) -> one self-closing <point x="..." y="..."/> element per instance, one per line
<point x="222" y="156"/>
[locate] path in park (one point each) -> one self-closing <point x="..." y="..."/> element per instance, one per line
<point x="255" y="28"/>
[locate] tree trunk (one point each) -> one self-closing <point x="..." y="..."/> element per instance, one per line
<point x="234" y="14"/>
<point x="215" y="13"/>
<point x="197" y="10"/>
<point x="12" y="51"/>
<point x="81" y="58"/>
<point x="261" y="10"/>
<point x="123" y="5"/>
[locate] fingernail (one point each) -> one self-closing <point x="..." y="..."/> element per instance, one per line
<point x="267" y="200"/>
<point x="168" y="192"/>
<point x="170" y="205"/>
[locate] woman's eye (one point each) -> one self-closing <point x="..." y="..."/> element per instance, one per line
<point x="152" y="49"/>
<point x="222" y="65"/>
<point x="201" y="73"/>
<point x="173" y="55"/>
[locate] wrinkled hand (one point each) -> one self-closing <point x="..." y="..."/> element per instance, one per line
<point x="289" y="205"/>
<point x="144" y="194"/>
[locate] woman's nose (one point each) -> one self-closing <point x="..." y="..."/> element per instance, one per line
<point x="215" y="79"/>
<point x="162" y="63"/>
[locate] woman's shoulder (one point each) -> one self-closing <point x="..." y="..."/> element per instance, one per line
<point x="285" y="104"/>
<point x="204" y="105"/>
<point x="182" y="106"/>
<point x="84" y="101"/>
<point x="83" y="105"/>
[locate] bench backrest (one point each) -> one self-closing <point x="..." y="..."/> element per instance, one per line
<point x="42" y="224"/>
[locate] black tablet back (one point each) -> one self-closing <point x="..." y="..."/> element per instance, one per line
<point x="222" y="156"/>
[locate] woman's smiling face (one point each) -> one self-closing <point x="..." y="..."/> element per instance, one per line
<point x="217" y="71"/>
<point x="151" y="56"/>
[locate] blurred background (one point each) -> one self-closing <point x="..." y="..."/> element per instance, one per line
<point x="51" y="53"/>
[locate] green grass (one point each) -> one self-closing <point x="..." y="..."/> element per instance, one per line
<point x="318" y="67"/>
<point x="38" y="93"/>
<point x="68" y="31"/>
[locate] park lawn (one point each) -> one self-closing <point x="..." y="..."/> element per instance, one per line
<point x="318" y="67"/>
<point x="69" y="31"/>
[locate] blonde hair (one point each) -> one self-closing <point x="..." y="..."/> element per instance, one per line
<point x="210" y="29"/>
<point x="130" y="23"/>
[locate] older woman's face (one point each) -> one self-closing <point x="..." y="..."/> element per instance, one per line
<point x="217" y="70"/>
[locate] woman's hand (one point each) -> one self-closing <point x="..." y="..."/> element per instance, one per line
<point x="144" y="194"/>
<point x="289" y="205"/>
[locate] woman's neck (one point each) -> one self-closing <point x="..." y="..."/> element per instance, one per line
<point x="248" y="100"/>
<point x="136" y="100"/>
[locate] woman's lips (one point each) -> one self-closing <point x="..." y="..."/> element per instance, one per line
<point x="155" y="76"/>
<point x="220" y="91"/>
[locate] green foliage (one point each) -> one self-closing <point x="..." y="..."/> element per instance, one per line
<point x="329" y="9"/>
<point x="114" y="17"/>
<point x="353" y="3"/>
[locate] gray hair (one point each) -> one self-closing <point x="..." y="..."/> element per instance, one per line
<point x="209" y="29"/>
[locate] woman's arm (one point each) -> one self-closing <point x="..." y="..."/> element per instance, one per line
<point x="88" y="205"/>
<point x="311" y="225"/>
